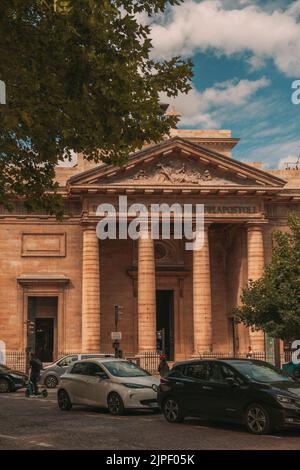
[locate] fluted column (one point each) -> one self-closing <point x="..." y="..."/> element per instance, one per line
<point x="256" y="262"/>
<point x="146" y="293"/>
<point x="90" y="292"/>
<point x="202" y="298"/>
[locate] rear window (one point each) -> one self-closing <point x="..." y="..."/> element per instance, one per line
<point x="198" y="371"/>
<point x="67" y="361"/>
<point x="176" y="373"/>
<point x="91" y="356"/>
<point x="81" y="368"/>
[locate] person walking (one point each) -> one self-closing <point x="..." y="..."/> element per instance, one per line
<point x="250" y="353"/>
<point x="163" y="367"/>
<point x="35" y="372"/>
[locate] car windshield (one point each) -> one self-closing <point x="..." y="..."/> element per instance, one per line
<point x="260" y="372"/>
<point x="125" y="369"/>
<point x="3" y="368"/>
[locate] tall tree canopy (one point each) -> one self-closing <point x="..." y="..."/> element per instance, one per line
<point x="272" y="303"/>
<point x="81" y="80"/>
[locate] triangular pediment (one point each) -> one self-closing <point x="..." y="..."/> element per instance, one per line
<point x="177" y="162"/>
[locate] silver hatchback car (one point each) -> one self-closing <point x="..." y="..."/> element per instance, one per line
<point x="115" y="384"/>
<point x="50" y="375"/>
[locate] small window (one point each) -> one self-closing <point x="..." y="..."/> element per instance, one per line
<point x="176" y="373"/>
<point x="230" y="373"/>
<point x="66" y="361"/>
<point x="197" y="371"/>
<point x="94" y="369"/>
<point x="217" y="373"/>
<point x="81" y="368"/>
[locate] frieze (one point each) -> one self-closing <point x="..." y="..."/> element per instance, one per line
<point x="230" y="210"/>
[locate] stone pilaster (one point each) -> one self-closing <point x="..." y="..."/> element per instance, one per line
<point x="90" y="292"/>
<point x="146" y="294"/>
<point x="202" y="313"/>
<point x="256" y="262"/>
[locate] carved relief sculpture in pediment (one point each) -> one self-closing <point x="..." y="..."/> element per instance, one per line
<point x="169" y="173"/>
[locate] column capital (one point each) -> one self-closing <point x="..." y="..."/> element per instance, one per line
<point x="256" y="225"/>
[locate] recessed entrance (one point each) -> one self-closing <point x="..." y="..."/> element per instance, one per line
<point x="44" y="338"/>
<point x="165" y="320"/>
<point x="42" y="312"/>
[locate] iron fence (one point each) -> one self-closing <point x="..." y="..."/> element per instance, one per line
<point x="258" y="356"/>
<point x="148" y="360"/>
<point x="16" y="360"/>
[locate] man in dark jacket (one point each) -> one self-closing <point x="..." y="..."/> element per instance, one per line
<point x="35" y="372"/>
<point x="163" y="367"/>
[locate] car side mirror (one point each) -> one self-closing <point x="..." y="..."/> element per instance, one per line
<point x="101" y="375"/>
<point x="232" y="382"/>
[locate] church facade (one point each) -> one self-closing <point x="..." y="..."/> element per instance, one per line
<point x="59" y="283"/>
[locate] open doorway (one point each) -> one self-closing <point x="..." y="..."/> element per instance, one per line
<point x="42" y="312"/>
<point x="165" y="320"/>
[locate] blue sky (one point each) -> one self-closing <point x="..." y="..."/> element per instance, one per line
<point x="246" y="55"/>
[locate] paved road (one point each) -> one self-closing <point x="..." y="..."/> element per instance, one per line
<point x="36" y="423"/>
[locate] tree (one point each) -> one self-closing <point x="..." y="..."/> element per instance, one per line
<point x="81" y="79"/>
<point x="272" y="303"/>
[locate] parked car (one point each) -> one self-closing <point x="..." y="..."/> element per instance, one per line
<point x="235" y="390"/>
<point x="11" y="380"/>
<point x="51" y="374"/>
<point x="115" y="384"/>
<point x="291" y="369"/>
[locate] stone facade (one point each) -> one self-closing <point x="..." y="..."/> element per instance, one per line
<point x="59" y="275"/>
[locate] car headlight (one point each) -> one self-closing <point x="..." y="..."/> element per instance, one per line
<point x="284" y="400"/>
<point x="134" y="385"/>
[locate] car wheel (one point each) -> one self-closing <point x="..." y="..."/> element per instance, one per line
<point x="115" y="404"/>
<point x="51" y="381"/>
<point x="172" y="411"/>
<point x="258" y="420"/>
<point x="64" y="401"/>
<point x="4" y="386"/>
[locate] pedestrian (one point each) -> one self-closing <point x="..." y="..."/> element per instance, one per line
<point x="163" y="367"/>
<point x="249" y="353"/>
<point x="35" y="372"/>
<point x="120" y="353"/>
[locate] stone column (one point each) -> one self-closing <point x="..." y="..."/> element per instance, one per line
<point x="146" y="293"/>
<point x="256" y="262"/>
<point x="90" y="292"/>
<point x="202" y="298"/>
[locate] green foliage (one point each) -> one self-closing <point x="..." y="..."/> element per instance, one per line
<point x="272" y="303"/>
<point x="82" y="81"/>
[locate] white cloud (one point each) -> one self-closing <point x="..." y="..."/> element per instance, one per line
<point x="274" y="155"/>
<point x="289" y="159"/>
<point x="207" y="108"/>
<point x="209" y="25"/>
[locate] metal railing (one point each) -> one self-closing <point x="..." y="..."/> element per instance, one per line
<point x="148" y="360"/>
<point x="259" y="356"/>
<point x="16" y="360"/>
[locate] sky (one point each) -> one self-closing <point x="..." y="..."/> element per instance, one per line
<point x="246" y="56"/>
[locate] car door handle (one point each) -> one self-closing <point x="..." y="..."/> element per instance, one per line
<point x="205" y="387"/>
